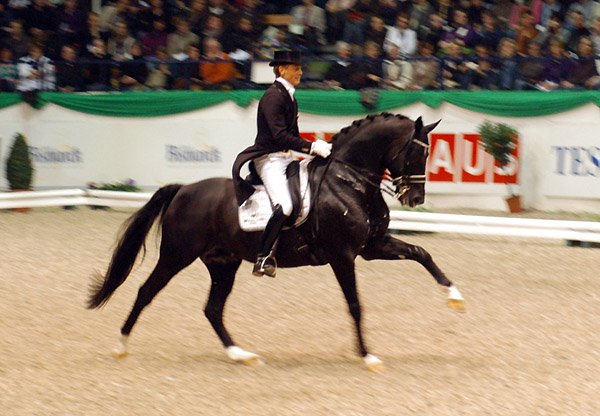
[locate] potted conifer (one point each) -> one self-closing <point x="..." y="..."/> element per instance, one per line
<point x="500" y="140"/>
<point x="19" y="170"/>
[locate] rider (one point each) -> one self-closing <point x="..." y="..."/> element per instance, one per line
<point x="277" y="134"/>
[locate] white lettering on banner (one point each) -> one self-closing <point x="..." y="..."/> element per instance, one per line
<point x="50" y="155"/>
<point x="459" y="158"/>
<point x="577" y="160"/>
<point x="188" y="154"/>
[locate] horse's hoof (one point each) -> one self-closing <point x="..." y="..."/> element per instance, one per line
<point x="457" y="304"/>
<point x="120" y="350"/>
<point x="243" y="357"/>
<point x="119" y="355"/>
<point x="373" y="363"/>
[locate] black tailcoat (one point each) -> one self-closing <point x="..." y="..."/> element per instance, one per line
<point x="277" y="124"/>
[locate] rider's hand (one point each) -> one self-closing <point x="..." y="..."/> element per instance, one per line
<point x="320" y="148"/>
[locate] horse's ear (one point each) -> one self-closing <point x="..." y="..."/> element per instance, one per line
<point x="431" y="126"/>
<point x="418" y="125"/>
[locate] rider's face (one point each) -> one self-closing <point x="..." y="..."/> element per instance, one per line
<point x="291" y="73"/>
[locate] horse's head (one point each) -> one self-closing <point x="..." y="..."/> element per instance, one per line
<point x="406" y="161"/>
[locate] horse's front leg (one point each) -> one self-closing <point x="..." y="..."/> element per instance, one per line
<point x="390" y="248"/>
<point x="346" y="276"/>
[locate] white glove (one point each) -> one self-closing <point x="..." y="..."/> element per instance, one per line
<point x="320" y="148"/>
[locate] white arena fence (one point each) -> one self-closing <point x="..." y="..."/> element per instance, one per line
<point x="400" y="220"/>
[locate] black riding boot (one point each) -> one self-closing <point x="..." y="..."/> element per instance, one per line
<point x="265" y="262"/>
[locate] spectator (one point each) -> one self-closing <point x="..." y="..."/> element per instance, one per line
<point x="157" y="10"/>
<point x="445" y="10"/>
<point x="507" y="68"/>
<point x="253" y="14"/>
<point x="587" y="8"/>
<point x="135" y="19"/>
<point x="97" y="70"/>
<point x="197" y="15"/>
<point x="272" y="39"/>
<point x="550" y="8"/>
<point x="397" y="72"/>
<point x="595" y="35"/>
<point x="526" y="32"/>
<point x="178" y="41"/>
<point x="584" y="74"/>
<point x="111" y="14"/>
<point x="119" y="44"/>
<point x="217" y="74"/>
<point x="222" y="9"/>
<point x="213" y="28"/>
<point x="480" y="72"/>
<point x="555" y="30"/>
<point x="134" y="70"/>
<point x="308" y="23"/>
<point x="490" y="33"/>
<point x="531" y="68"/>
<point x="341" y="72"/>
<point x="576" y="30"/>
<point x="68" y="72"/>
<point x="432" y="32"/>
<point x="461" y="30"/>
<point x="92" y="31"/>
<point x="17" y="40"/>
<point x="72" y="23"/>
<point x="160" y="76"/>
<point x="356" y="21"/>
<point x="389" y="10"/>
<point x="156" y="38"/>
<point x="425" y="69"/>
<point x="401" y="36"/>
<point x="188" y="71"/>
<point x="557" y="67"/>
<point x="36" y="72"/>
<point x="376" y="31"/>
<point x="18" y="8"/>
<point x="241" y="39"/>
<point x="420" y="13"/>
<point x="369" y="73"/>
<point x="336" y="15"/>
<point x="474" y="13"/>
<point x="39" y="18"/>
<point x="455" y="71"/>
<point x="9" y="75"/>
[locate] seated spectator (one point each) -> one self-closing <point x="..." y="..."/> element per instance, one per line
<point x="455" y="70"/>
<point x="595" y="35"/>
<point x="557" y="67"/>
<point x="397" y="72"/>
<point x="531" y="68"/>
<point x="39" y="18"/>
<point x="584" y="74"/>
<point x="36" y="72"/>
<point x="214" y="27"/>
<point x="340" y="74"/>
<point x="355" y="22"/>
<point x="526" y="32"/>
<point x="135" y="18"/>
<point x="475" y="13"/>
<point x="507" y="68"/>
<point x="376" y="31"/>
<point x="179" y="40"/>
<point x="550" y="8"/>
<point x="160" y="76"/>
<point x="272" y="39"/>
<point x="215" y="74"/>
<point x="71" y="23"/>
<point x="390" y="9"/>
<point x="576" y="30"/>
<point x="158" y="10"/>
<point x="241" y="38"/>
<point x="98" y="69"/>
<point x="308" y="24"/>
<point x="119" y="44"/>
<point x="69" y="76"/>
<point x="197" y="15"/>
<point x="336" y="15"/>
<point x="481" y="74"/>
<point x="401" y="36"/>
<point x="92" y="31"/>
<point x="9" y="75"/>
<point x="369" y="70"/>
<point x="223" y="10"/>
<point x="133" y="70"/>
<point x="489" y="34"/>
<point x="252" y="12"/>
<point x="110" y="14"/>
<point x="426" y="69"/>
<point x="419" y="14"/>
<point x="462" y="30"/>
<point x="154" y="39"/>
<point x="555" y="30"/>
<point x="432" y="32"/>
<point x="188" y="71"/>
<point x="17" y="40"/>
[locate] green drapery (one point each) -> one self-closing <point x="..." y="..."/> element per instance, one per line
<point x="9" y="98"/>
<point x="328" y="103"/>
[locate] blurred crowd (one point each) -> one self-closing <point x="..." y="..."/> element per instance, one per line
<point x="120" y="45"/>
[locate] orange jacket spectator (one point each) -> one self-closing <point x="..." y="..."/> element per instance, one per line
<point x="217" y="72"/>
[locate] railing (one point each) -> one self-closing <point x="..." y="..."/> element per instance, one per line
<point x="104" y="75"/>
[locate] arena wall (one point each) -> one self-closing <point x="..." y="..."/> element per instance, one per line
<point x="557" y="165"/>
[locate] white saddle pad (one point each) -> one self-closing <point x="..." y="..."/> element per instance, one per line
<point x="256" y="211"/>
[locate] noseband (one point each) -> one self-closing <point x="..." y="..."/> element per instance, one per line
<point x="404" y="182"/>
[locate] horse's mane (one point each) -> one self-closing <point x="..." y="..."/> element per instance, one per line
<point x="357" y="125"/>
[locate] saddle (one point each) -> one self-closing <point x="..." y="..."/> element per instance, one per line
<point x="255" y="212"/>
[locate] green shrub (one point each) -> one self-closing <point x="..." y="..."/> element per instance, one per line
<point x="19" y="170"/>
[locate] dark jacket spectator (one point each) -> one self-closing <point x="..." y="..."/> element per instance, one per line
<point x="69" y="77"/>
<point x="154" y="39"/>
<point x="341" y="72"/>
<point x="584" y="73"/>
<point x="97" y="69"/>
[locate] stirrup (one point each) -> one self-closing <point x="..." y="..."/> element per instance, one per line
<point x="265" y="265"/>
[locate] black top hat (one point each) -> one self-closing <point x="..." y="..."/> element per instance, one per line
<point x="286" y="58"/>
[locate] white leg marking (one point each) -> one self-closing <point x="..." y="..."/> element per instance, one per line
<point x="373" y="363"/>
<point x="120" y="350"/>
<point x="242" y="356"/>
<point x="455" y="299"/>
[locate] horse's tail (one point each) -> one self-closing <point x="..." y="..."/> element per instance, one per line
<point x="132" y="239"/>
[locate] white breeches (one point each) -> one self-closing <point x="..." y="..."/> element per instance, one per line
<point x="271" y="169"/>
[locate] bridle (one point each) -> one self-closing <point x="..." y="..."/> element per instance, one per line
<point x="404" y="182"/>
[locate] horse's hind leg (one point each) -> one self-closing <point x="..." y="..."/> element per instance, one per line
<point x="222" y="276"/>
<point x="390" y="248"/>
<point x="160" y="276"/>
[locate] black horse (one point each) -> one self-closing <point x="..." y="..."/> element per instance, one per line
<point x="349" y="218"/>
